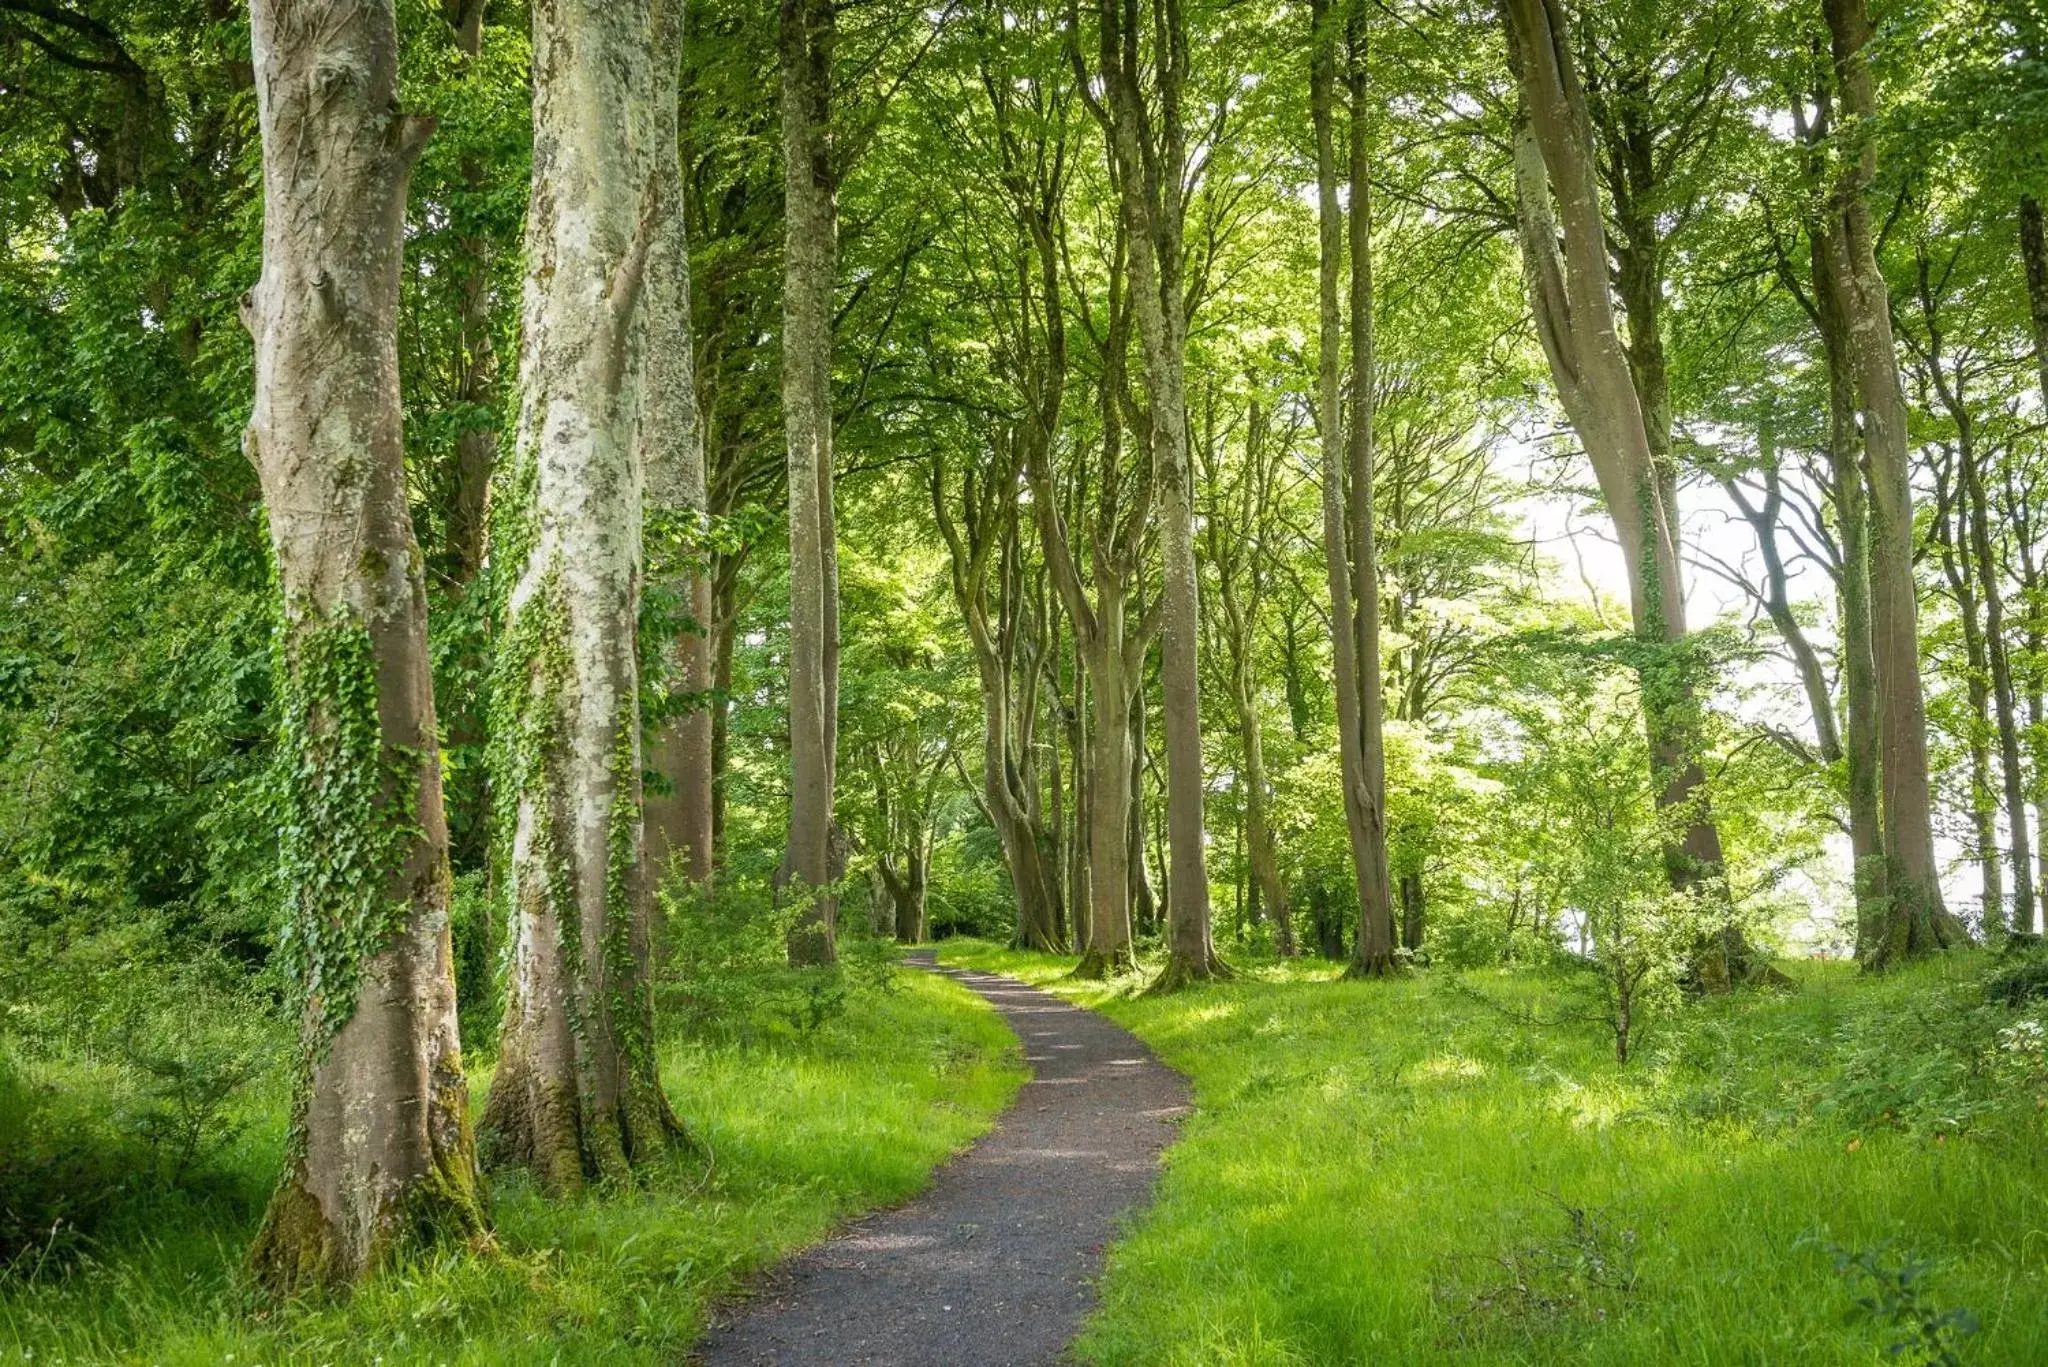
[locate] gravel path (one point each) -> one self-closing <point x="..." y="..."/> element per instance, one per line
<point x="994" y="1264"/>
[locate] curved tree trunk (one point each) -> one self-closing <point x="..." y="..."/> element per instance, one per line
<point x="576" y="1093"/>
<point x="379" y="1154"/>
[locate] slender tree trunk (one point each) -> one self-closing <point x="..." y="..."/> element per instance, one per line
<point x="379" y="1156"/>
<point x="1976" y="673"/>
<point x="1147" y="149"/>
<point x="1847" y="493"/>
<point x="1145" y="909"/>
<point x="1916" y="920"/>
<point x="1989" y="577"/>
<point x="1271" y="892"/>
<point x="2034" y="254"/>
<point x="1110" y="795"/>
<point x="810" y="254"/>
<point x="576" y="1093"/>
<point x="1346" y="553"/>
<point x="1413" y="909"/>
<point x="672" y="454"/>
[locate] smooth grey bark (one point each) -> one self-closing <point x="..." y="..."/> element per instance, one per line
<point x="810" y="255"/>
<point x="671" y="437"/>
<point x="1347" y="494"/>
<point x="1916" y="921"/>
<point x="379" y="1155"/>
<point x="577" y="1094"/>
<point x="1147" y="148"/>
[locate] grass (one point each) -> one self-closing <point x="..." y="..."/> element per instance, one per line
<point x="1411" y="1172"/>
<point x="807" y="1128"/>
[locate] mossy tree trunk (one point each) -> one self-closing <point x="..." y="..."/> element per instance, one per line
<point x="379" y="1156"/>
<point x="577" y="1095"/>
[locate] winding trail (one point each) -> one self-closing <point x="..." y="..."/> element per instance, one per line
<point x="994" y="1265"/>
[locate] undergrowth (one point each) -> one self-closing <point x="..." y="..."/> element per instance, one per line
<point x="806" y="1116"/>
<point x="1415" y="1172"/>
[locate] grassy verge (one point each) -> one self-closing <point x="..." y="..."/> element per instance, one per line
<point x="1414" y="1172"/>
<point x="807" y="1127"/>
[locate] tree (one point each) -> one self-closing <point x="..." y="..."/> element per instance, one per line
<point x="1147" y="148"/>
<point x="576" y="1093"/>
<point x="1914" y="920"/>
<point x="809" y="258"/>
<point x="1558" y="202"/>
<point x="1347" y="484"/>
<point x="380" y="1153"/>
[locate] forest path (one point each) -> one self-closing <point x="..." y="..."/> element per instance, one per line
<point x="994" y="1264"/>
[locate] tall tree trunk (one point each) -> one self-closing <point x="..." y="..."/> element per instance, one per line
<point x="476" y="385"/>
<point x="1862" y="742"/>
<point x="1916" y="919"/>
<point x="1557" y="195"/>
<point x="379" y="1155"/>
<point x="672" y="454"/>
<point x="1111" y="793"/>
<point x="1147" y="149"/>
<point x="1346" y="552"/>
<point x="576" y="1093"/>
<point x="809" y="265"/>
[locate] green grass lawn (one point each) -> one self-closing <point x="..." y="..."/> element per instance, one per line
<point x="806" y="1129"/>
<point x="1405" y="1172"/>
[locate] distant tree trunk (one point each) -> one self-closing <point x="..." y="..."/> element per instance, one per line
<point x="576" y="1093"/>
<point x="672" y="454"/>
<point x="809" y="265"/>
<point x="1976" y="672"/>
<point x="1916" y="920"/>
<point x="907" y="890"/>
<point x="1144" y="902"/>
<point x="2034" y="253"/>
<point x="1347" y="497"/>
<point x="1991" y="674"/>
<point x="1413" y="910"/>
<point x="379" y="1156"/>
<point x="476" y="384"/>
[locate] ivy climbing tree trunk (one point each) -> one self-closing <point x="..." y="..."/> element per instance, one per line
<point x="576" y="1094"/>
<point x="809" y="255"/>
<point x="1567" y="272"/>
<point x="379" y="1154"/>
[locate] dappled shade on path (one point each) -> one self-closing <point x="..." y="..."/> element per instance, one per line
<point x="995" y="1264"/>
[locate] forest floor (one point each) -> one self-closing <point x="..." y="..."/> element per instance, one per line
<point x="1451" y="1168"/>
<point x="810" y="1122"/>
<point x="995" y="1265"/>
